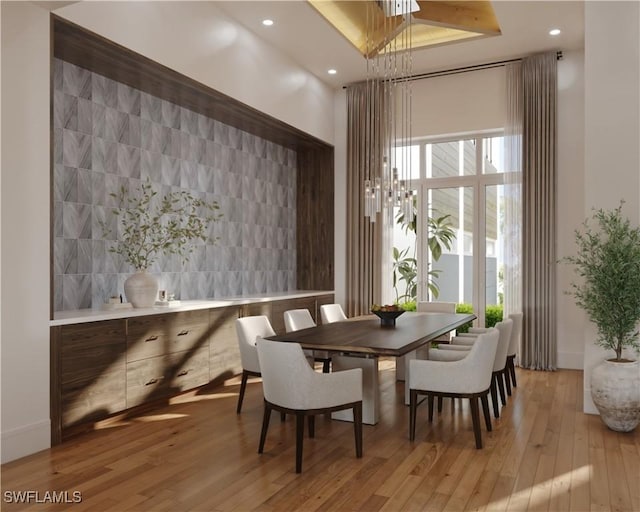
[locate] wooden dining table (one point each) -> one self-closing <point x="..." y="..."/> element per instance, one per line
<point x="359" y="342"/>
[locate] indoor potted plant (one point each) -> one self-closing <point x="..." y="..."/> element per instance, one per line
<point x="608" y="263"/>
<point x="150" y="225"/>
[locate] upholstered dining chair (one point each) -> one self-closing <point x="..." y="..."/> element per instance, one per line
<point x="296" y="319"/>
<point x="291" y="386"/>
<point x="497" y="380"/>
<point x="330" y="313"/>
<point x="248" y="329"/>
<point x="468" y="377"/>
<point x="514" y="347"/>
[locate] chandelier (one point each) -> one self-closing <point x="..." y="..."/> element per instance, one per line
<point x="389" y="69"/>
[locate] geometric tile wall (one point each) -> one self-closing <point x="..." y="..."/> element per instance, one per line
<point x="107" y="134"/>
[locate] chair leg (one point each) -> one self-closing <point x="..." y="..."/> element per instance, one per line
<point x="430" y="402"/>
<point x="494" y="397"/>
<point x="413" y="405"/>
<point x="243" y="386"/>
<point x="357" y="428"/>
<point x="475" y="417"/>
<point x="283" y="417"/>
<point x="512" y="370"/>
<point x="326" y="366"/>
<point x="299" y="438"/>
<point x="500" y="384"/>
<point x="265" y="426"/>
<point x="439" y="404"/>
<point x="312" y="426"/>
<point x="507" y="380"/>
<point x="485" y="410"/>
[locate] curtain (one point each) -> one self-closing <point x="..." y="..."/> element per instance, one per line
<point x="365" y="147"/>
<point x="539" y="162"/>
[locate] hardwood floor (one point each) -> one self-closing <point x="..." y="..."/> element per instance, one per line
<point x="197" y="454"/>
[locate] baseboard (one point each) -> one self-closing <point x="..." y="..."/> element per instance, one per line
<point x="22" y="441"/>
<point x="571" y="360"/>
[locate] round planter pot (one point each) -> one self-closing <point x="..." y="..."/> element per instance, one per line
<point x="615" y="390"/>
<point x="141" y="289"/>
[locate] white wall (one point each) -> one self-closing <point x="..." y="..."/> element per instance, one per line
<point x="612" y="127"/>
<point x="25" y="230"/>
<point x="200" y="41"/>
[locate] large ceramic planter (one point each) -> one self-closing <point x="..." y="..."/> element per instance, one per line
<point x="615" y="390"/>
<point x="141" y="289"/>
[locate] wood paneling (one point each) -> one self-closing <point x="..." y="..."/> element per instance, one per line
<point x="315" y="220"/>
<point x="224" y="354"/>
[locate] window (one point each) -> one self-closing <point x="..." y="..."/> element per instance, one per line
<point x="459" y="185"/>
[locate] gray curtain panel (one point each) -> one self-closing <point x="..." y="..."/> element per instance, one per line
<point x="539" y="161"/>
<point x="365" y="144"/>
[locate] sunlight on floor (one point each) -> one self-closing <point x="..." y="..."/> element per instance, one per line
<point x="541" y="493"/>
<point x="185" y="399"/>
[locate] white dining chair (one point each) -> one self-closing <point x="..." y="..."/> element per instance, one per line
<point x="468" y="377"/>
<point x="248" y="329"/>
<point x="330" y="313"/>
<point x="291" y="386"/>
<point x="504" y="327"/>
<point x="297" y="319"/>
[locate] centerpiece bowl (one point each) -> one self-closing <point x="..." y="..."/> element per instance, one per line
<point x="387" y="317"/>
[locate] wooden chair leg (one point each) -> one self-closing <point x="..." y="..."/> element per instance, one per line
<point x="494" y="398"/>
<point x="283" y="417"/>
<point x="312" y="426"/>
<point x="475" y="417"/>
<point x="243" y="386"/>
<point x="326" y="366"/>
<point x="265" y="426"/>
<point x="439" y="404"/>
<point x="299" y="438"/>
<point x="485" y="410"/>
<point x="512" y="370"/>
<point x="500" y="384"/>
<point x="357" y="428"/>
<point x="507" y="380"/>
<point x="413" y="405"/>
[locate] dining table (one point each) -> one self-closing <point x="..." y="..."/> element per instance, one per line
<point x="358" y="343"/>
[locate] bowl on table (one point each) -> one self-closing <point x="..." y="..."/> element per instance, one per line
<point x="388" y="318"/>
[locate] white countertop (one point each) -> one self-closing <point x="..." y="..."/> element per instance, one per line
<point x="79" y="316"/>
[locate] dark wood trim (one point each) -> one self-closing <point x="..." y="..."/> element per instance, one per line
<point x="55" y="385"/>
<point x="51" y="174"/>
<point x="96" y="53"/>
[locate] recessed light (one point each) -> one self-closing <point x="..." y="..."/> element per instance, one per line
<point x="332" y="71"/>
<point x="267" y="23"/>
<point x="554" y="32"/>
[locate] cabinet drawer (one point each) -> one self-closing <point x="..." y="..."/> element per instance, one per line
<point x="165" y="334"/>
<point x="161" y="376"/>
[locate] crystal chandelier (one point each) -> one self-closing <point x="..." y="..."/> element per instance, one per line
<point x="389" y="69"/>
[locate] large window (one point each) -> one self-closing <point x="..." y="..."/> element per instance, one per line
<point x="459" y="189"/>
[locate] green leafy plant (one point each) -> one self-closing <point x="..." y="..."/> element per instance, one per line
<point x="152" y="225"/>
<point x="405" y="265"/>
<point x="607" y="261"/>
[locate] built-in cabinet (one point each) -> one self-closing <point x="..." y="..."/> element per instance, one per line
<point x="102" y="368"/>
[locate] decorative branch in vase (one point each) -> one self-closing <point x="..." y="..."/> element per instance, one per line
<point x="153" y="225"/>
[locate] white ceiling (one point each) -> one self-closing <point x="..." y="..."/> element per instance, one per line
<point x="308" y="39"/>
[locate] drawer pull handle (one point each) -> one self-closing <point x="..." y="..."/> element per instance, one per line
<point x="152" y="338"/>
<point x="183" y="333"/>
<point x="183" y="373"/>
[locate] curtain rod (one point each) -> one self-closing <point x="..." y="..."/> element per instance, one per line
<point x="475" y="67"/>
<point x="465" y="69"/>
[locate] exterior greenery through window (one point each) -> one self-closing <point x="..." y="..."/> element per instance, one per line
<point x="453" y="250"/>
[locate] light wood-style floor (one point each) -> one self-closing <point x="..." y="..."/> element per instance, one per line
<point x="543" y="454"/>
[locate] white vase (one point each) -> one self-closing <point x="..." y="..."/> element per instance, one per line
<point x="141" y="289"/>
<point x="615" y="390"/>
